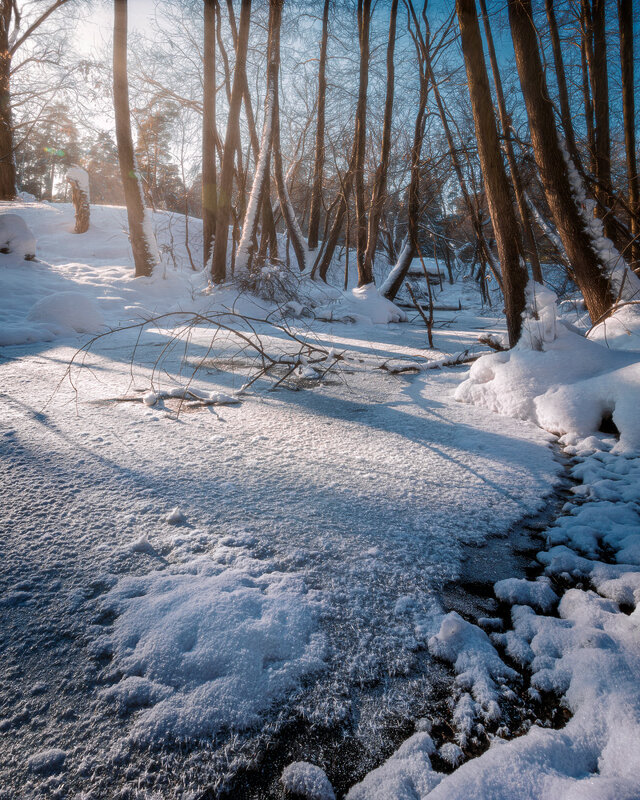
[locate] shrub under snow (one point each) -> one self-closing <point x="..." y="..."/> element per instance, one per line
<point x="16" y="237"/>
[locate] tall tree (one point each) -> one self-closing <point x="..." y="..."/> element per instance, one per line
<point x="11" y="39"/>
<point x="209" y="133"/>
<point x="365" y="272"/>
<point x="143" y="244"/>
<point x="379" y="192"/>
<point x="231" y="144"/>
<point x="318" y="165"/>
<point x="505" y="226"/>
<point x="625" y="20"/>
<point x="590" y="272"/>
<point x="523" y="211"/>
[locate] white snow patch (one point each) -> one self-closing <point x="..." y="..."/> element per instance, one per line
<point x="68" y="311"/>
<point x="176" y="517"/>
<point x="218" y="645"/>
<point x="47" y="762"/>
<point x="537" y="594"/>
<point x="16" y="237"/>
<point x="362" y="304"/>
<point x="308" y="781"/>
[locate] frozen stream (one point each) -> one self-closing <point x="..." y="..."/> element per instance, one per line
<point x="331" y="516"/>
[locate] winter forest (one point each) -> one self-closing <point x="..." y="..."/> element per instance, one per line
<point x="320" y="400"/>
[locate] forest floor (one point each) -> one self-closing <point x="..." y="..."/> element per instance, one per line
<point x="193" y="600"/>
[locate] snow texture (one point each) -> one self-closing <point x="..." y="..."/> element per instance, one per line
<point x="16" y="238"/>
<point x="364" y="304"/>
<point x="307" y="781"/>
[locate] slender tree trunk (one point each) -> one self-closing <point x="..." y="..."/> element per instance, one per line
<point x="625" y="19"/>
<point x="293" y="228"/>
<point x="318" y="167"/>
<point x="365" y="274"/>
<point x="250" y="228"/>
<point x="523" y="211"/>
<point x="589" y="271"/>
<point x="561" y="79"/>
<point x="143" y="244"/>
<point x="380" y="181"/>
<point x="209" y="133"/>
<point x="231" y="142"/>
<point x="586" y="38"/>
<point x="505" y="226"/>
<point x="7" y="159"/>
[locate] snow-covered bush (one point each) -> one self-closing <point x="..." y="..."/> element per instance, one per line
<point x="16" y="237"/>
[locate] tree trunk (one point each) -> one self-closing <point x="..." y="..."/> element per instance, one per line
<point x="248" y="241"/>
<point x="143" y="244"/>
<point x="209" y="133"/>
<point x="625" y="19"/>
<point x="590" y="273"/>
<point x="365" y="273"/>
<point x="79" y="180"/>
<point x="293" y="228"/>
<point x="596" y="53"/>
<point x="7" y="160"/>
<point x="231" y="143"/>
<point x="561" y="79"/>
<point x="586" y="38"/>
<point x="318" y="167"/>
<point x="380" y="181"/>
<point x="505" y="226"/>
<point x="523" y="211"/>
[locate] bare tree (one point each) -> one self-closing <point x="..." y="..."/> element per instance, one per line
<point x="10" y="41"/>
<point x="365" y="274"/>
<point x="380" y="180"/>
<point x="591" y="274"/>
<point x="143" y="243"/>
<point x="318" y="167"/>
<point x="625" y="19"/>
<point x="209" y="133"/>
<point x="231" y="144"/>
<point x="505" y="226"/>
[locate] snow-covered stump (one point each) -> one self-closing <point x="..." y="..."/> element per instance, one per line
<point x="16" y="237"/>
<point x="79" y="180"/>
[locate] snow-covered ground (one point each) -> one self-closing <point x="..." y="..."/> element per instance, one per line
<point x="183" y="594"/>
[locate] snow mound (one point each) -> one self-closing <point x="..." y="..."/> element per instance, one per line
<point x="47" y="762"/>
<point x="16" y="237"/>
<point x="364" y="304"/>
<point x="559" y="380"/>
<point x="407" y="775"/>
<point x="308" y="781"/>
<point x="80" y="177"/>
<point x="68" y="311"/>
<point x="537" y="594"/>
<point x="215" y="646"/>
<point x="479" y="671"/>
<point x="620" y="331"/>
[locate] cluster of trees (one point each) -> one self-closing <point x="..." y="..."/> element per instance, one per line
<point x="382" y="127"/>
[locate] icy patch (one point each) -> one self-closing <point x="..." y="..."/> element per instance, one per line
<point x="215" y="646"/>
<point x="308" y="781"/>
<point x="68" y="311"/>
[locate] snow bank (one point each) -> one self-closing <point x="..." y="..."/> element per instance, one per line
<point x="589" y="655"/>
<point x="16" y="237"/>
<point x="559" y="380"/>
<point x="364" y="304"/>
<point x="308" y="781"/>
<point x="65" y="311"/>
<point x="209" y="647"/>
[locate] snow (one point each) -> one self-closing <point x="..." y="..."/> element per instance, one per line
<point x="559" y="380"/>
<point x="16" y="238"/>
<point x="79" y="176"/>
<point x="62" y="311"/>
<point x="538" y="594"/>
<point x="47" y="761"/>
<point x="307" y="781"/>
<point x="365" y="304"/>
<point x="218" y="645"/>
